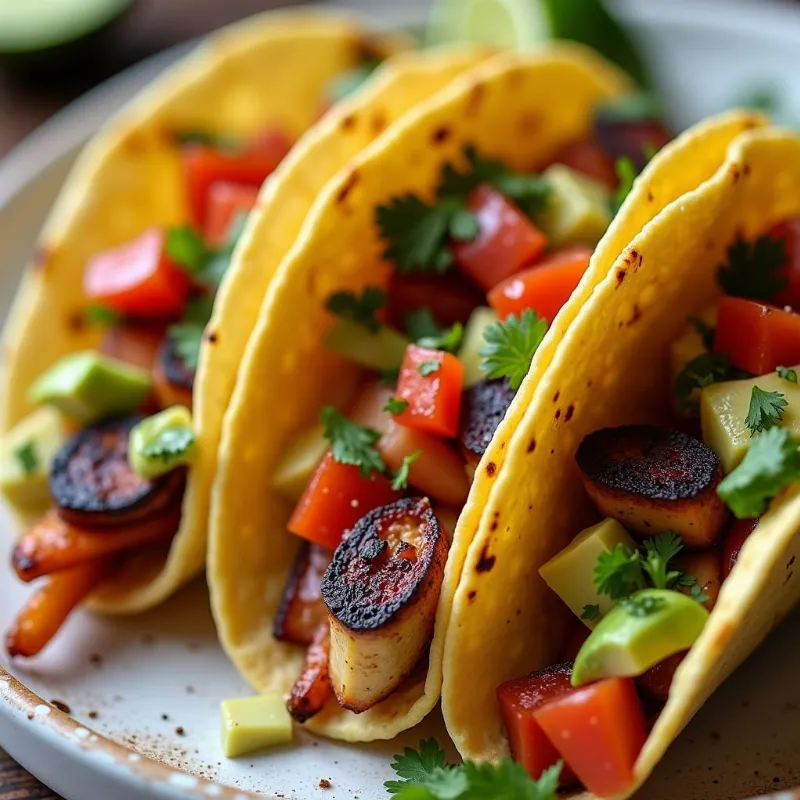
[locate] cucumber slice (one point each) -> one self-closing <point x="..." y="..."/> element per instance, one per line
<point x="382" y="351"/>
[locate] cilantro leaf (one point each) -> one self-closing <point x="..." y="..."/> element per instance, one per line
<point x="705" y="331"/>
<point x="449" y="339"/>
<point x="787" y="374"/>
<point x="658" y="552"/>
<point x="423" y="329"/>
<point x="511" y="345"/>
<point x="618" y="573"/>
<point x="27" y="458"/>
<point x="360" y="310"/>
<point x="507" y="781"/>
<point x="590" y="612"/>
<point x="187" y="249"/>
<point x="626" y="173"/>
<point x="753" y="268"/>
<point x="766" y="410"/>
<point x="395" y="406"/>
<point x="642" y="606"/>
<point x="414" y="766"/>
<point x="169" y="444"/>
<point x="771" y="463"/>
<point x="103" y="316"/>
<point x="426" y="368"/>
<point x="352" y="443"/>
<point x="401" y="477"/>
<point x="187" y="335"/>
<point x="698" y="595"/>
<point x="702" y="371"/>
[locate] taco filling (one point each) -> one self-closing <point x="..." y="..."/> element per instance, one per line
<point x="675" y="505"/>
<point x="444" y="343"/>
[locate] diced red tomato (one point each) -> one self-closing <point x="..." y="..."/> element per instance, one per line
<point x="368" y="407"/>
<point x="438" y="471"/>
<point x="789" y="231"/>
<point x="577" y="636"/>
<point x="599" y="730"/>
<point x="733" y="542"/>
<point x="544" y="287"/>
<point x="518" y="700"/>
<point x="450" y="298"/>
<point x="758" y="338"/>
<point x="434" y="398"/>
<point x="656" y="682"/>
<point x="272" y="142"/>
<point x="204" y="166"/>
<point x="137" y="279"/>
<point x="136" y="345"/>
<point x="633" y="139"/>
<point x="589" y="158"/>
<point x="226" y="202"/>
<point x="507" y="241"/>
<point x="335" y="499"/>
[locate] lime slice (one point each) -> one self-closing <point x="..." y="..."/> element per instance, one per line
<point x="505" y="24"/>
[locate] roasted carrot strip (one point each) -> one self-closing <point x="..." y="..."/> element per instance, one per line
<point x="47" y="610"/>
<point x="313" y="688"/>
<point x="53" y="545"/>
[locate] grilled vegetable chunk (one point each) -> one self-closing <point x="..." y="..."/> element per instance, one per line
<point x="313" y="688"/>
<point x="482" y="410"/>
<point x="94" y="486"/>
<point x="302" y="610"/>
<point x="381" y="591"/>
<point x="173" y="379"/>
<point x="654" y="479"/>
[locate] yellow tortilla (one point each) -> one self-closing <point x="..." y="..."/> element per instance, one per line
<point x="611" y="369"/>
<point x="521" y="109"/>
<point x="271" y="68"/>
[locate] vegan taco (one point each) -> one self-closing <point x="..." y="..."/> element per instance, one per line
<point x="362" y="440"/>
<point x="655" y="494"/>
<point x="108" y="325"/>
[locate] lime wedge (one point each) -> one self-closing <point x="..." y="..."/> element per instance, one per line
<point x="505" y="24"/>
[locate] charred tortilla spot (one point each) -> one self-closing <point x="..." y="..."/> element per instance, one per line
<point x="348" y="122"/>
<point x="531" y="446"/>
<point x="735" y="173"/>
<point x="486" y="562"/>
<point x="349" y="185"/>
<point x="212" y="337"/>
<point x="441" y="134"/>
<point x="788" y="577"/>
<point x="570" y="412"/>
<point x="791" y="562"/>
<point x="556" y="396"/>
<point x="557" y="414"/>
<point x="94" y="486"/>
<point x="472" y="595"/>
<point x="378" y="122"/>
<point x="76" y="322"/>
<point x="746" y="169"/>
<point x="482" y="410"/>
<point x="491" y="468"/>
<point x="650" y="196"/>
<point x="621" y="275"/>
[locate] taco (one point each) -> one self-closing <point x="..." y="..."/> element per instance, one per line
<point x="361" y="415"/>
<point x="109" y="319"/>
<point x="655" y="493"/>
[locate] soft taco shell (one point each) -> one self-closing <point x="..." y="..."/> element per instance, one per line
<point x="272" y="68"/>
<point x="512" y="108"/>
<point x="610" y="370"/>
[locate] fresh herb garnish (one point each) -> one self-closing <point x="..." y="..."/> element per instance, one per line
<point x="771" y="463"/>
<point x="705" y="331"/>
<point x="359" y="309"/>
<point x="27" y="458"/>
<point x="426" y="775"/>
<point x="423" y="329"/>
<point x="698" y="595"/>
<point x="642" y="606"/>
<point x="352" y="443"/>
<point x="448" y="340"/>
<point x="658" y="552"/>
<point x="702" y="371"/>
<point x="400" y="480"/>
<point x="511" y="345"/>
<point x="169" y="444"/>
<point x="395" y="406"/>
<point x="103" y="316"/>
<point x="426" y="368"/>
<point x="187" y="335"/>
<point x="626" y="173"/>
<point x="187" y="249"/>
<point x="766" y="410"/>
<point x="787" y="374"/>
<point x="753" y="270"/>
<point x="590" y="612"/>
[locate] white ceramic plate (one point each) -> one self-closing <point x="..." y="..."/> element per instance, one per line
<point x="139" y="697"/>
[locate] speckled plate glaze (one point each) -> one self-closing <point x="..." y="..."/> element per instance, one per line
<point x="128" y="708"/>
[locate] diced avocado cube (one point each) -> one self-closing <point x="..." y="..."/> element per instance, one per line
<point x="578" y="208"/>
<point x="254" y="723"/>
<point x="724" y="406"/>
<point x="27" y="452"/>
<point x="88" y="386"/>
<point x="570" y="574"/>
<point x="637" y="633"/>
<point x="298" y="463"/>
<point x="472" y="342"/>
<point x="688" y="346"/>
<point x="382" y="351"/>
<point x="162" y="442"/>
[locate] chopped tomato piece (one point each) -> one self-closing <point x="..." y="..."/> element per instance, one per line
<point x="518" y="700"/>
<point x="544" y="287"/>
<point x="335" y="499"/>
<point x="438" y="471"/>
<point x="450" y="298"/>
<point x="136" y="345"/>
<point x="589" y="158"/>
<point x="137" y="279"/>
<point x="430" y="382"/>
<point x="272" y="142"/>
<point x="368" y="408"/>
<point x="789" y="231"/>
<point x="757" y="338"/>
<point x="599" y="730"/>
<point x="226" y="202"/>
<point x="507" y="240"/>
<point x="734" y="541"/>
<point x="204" y="166"/>
<point x="656" y="682"/>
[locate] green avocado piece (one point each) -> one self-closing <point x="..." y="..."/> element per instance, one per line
<point x="298" y="463"/>
<point x="254" y="723"/>
<point x="27" y="453"/>
<point x="637" y="633"/>
<point x="382" y="351"/>
<point x="88" y="386"/>
<point x="162" y="442"/>
<point x="473" y="341"/>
